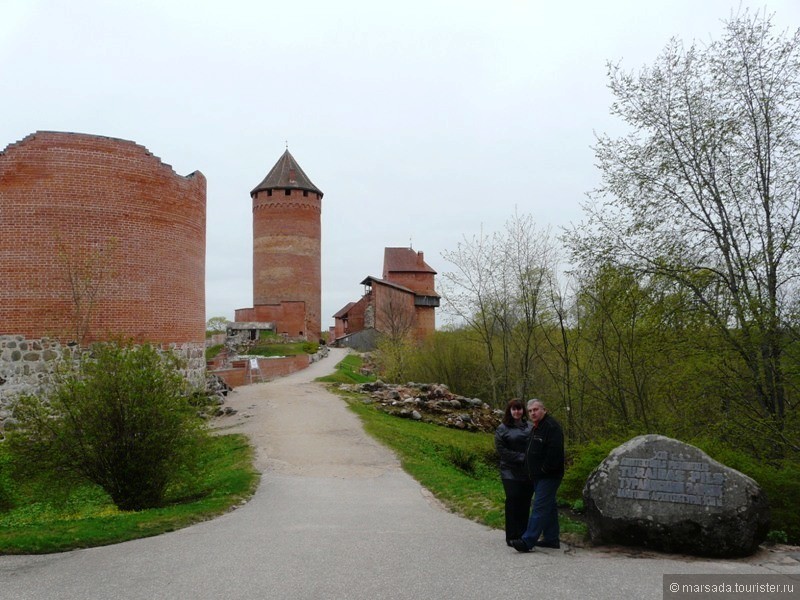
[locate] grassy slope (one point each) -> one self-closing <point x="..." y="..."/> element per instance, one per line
<point x="44" y="520"/>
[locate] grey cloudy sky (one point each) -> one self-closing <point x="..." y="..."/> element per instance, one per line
<point x="421" y="121"/>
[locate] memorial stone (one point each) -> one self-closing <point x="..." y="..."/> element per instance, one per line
<point x="661" y="493"/>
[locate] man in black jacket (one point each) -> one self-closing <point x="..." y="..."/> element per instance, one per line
<point x="544" y="459"/>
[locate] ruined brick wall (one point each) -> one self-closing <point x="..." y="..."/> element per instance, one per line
<point x="289" y="317"/>
<point x="240" y="372"/>
<point x="99" y="239"/>
<point x="287" y="253"/>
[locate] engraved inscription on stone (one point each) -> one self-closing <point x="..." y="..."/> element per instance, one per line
<point x="669" y="477"/>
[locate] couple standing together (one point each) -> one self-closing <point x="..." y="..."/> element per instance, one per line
<point x="531" y="467"/>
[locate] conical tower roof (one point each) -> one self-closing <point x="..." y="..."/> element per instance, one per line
<point x="286" y="174"/>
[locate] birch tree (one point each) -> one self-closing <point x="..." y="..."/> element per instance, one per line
<point x="705" y="190"/>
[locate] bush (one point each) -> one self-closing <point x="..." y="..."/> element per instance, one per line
<point x="212" y="351"/>
<point x="585" y="459"/>
<point x="122" y="421"/>
<point x="462" y="459"/>
<point x="777" y="537"/>
<point x="310" y="347"/>
<point x="780" y="481"/>
<point x="6" y="498"/>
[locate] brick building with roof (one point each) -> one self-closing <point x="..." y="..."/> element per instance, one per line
<point x="402" y="302"/>
<point x="287" y="295"/>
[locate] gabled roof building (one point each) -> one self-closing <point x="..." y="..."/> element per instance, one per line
<point x="400" y="304"/>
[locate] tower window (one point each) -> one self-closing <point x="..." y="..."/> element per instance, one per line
<point x="269" y="192"/>
<point x="287" y="192"/>
<point x="305" y="193"/>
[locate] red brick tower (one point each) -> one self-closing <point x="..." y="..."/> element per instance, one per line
<point x="100" y="240"/>
<point x="287" y="282"/>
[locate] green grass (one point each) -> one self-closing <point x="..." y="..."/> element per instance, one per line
<point x="280" y="349"/>
<point x="458" y="467"/>
<point x="47" y="519"/>
<point x="212" y="351"/>
<point x="348" y="371"/>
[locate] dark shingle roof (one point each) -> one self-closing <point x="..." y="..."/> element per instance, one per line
<point x="344" y="310"/>
<point x="286" y="174"/>
<point x="370" y="280"/>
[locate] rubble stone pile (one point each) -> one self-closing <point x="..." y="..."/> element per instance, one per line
<point x="430" y="403"/>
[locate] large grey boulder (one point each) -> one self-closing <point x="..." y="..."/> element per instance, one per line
<point x="660" y="493"/>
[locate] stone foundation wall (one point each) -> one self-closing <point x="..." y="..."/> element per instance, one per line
<point x="27" y="366"/>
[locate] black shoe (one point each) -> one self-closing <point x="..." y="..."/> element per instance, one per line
<point x="544" y="544"/>
<point x="520" y="546"/>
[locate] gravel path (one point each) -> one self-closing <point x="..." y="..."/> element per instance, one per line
<point x="336" y="517"/>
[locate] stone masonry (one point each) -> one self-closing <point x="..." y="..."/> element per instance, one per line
<point x="27" y="366"/>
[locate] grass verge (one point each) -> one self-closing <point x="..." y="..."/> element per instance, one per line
<point x="43" y="519"/>
<point x="348" y="371"/>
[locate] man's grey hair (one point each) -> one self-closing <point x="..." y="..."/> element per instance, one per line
<point x="533" y="401"/>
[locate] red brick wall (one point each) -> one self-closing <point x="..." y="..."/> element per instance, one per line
<point x="276" y="367"/>
<point x="355" y="320"/>
<point x="287" y="254"/>
<point x="394" y="310"/>
<point x="234" y="377"/>
<point x="418" y="282"/>
<point x="289" y="317"/>
<point x="110" y="212"/>
<point x="426" y="322"/>
<point x="269" y="369"/>
<point x="338" y="329"/>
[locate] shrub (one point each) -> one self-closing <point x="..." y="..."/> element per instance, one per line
<point x="462" y="459"/>
<point x="585" y="459"/>
<point x="6" y="500"/>
<point x="212" y="351"/>
<point x="310" y="347"/>
<point x="122" y="421"/>
<point x="780" y="481"/>
<point x="777" y="537"/>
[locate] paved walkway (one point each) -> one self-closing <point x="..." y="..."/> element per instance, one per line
<point x="336" y="518"/>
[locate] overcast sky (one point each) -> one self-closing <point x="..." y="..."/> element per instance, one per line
<point x="421" y="121"/>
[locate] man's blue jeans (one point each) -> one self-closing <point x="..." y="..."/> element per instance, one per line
<point x="544" y="514"/>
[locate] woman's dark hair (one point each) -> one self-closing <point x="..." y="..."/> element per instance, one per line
<point x="508" y="420"/>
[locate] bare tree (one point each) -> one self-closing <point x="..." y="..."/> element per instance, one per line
<point x="86" y="271"/>
<point x="395" y="323"/>
<point x="469" y="294"/>
<point x="499" y="289"/>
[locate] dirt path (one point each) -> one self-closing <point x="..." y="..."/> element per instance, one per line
<point x="299" y="428"/>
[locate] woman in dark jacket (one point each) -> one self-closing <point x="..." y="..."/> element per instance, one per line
<point x="511" y="440"/>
